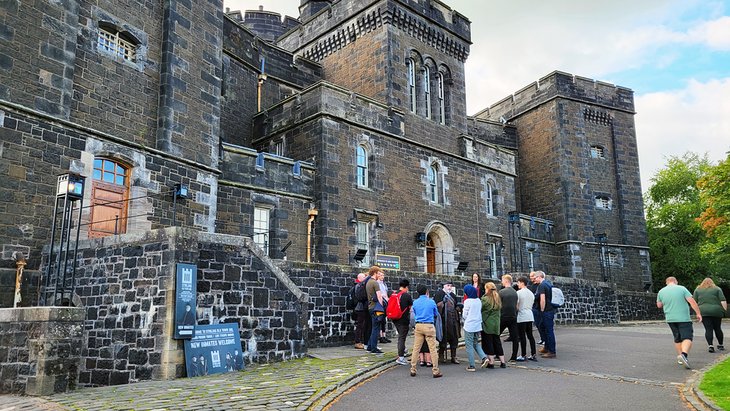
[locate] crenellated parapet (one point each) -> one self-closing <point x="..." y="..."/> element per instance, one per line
<point x="334" y="27"/>
<point x="267" y="25"/>
<point x="564" y="85"/>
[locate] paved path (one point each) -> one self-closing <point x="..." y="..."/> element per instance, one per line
<point x="597" y="368"/>
<point x="607" y="368"/>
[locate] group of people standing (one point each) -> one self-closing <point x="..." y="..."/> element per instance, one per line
<point x="485" y="311"/>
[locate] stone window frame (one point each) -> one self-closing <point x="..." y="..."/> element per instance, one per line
<point x="445" y="82"/>
<point x="362" y="166"/>
<point x="116" y="43"/>
<point x="260" y="209"/>
<point x="103" y="21"/>
<point x="603" y="202"/>
<point x="365" y="222"/>
<point x="598" y="152"/>
<point x="411" y="83"/>
<point x="490" y="206"/>
<point x="427" y="90"/>
<point x="432" y="177"/>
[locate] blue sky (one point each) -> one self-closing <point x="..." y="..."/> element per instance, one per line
<point x="674" y="54"/>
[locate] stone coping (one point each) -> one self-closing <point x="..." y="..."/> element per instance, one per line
<point x="42" y="314"/>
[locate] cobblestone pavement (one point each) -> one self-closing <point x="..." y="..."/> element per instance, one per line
<point x="291" y="385"/>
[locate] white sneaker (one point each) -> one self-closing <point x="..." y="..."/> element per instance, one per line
<point x="679" y="360"/>
<point x="684" y="361"/>
<point x="401" y="361"/>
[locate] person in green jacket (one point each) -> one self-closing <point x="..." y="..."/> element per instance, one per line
<point x="491" y="311"/>
<point x="713" y="307"/>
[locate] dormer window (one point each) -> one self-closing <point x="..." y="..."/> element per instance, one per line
<point x="119" y="44"/>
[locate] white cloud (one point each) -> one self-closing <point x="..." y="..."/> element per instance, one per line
<point x="715" y="33"/>
<point x="670" y="123"/>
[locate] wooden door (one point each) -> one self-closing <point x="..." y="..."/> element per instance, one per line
<point x="109" y="195"/>
<point x="430" y="256"/>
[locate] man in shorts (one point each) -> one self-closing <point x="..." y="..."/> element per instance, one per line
<point x="676" y="300"/>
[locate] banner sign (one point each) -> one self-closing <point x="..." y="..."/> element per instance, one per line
<point x="214" y="349"/>
<point x="388" y="262"/>
<point x="186" y="280"/>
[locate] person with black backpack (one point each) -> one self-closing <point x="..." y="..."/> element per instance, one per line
<point x="359" y="299"/>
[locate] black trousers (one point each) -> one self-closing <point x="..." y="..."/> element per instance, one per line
<point x="511" y="326"/>
<point x="712" y="324"/>
<point x="402" y="327"/>
<point x="362" y="326"/>
<point x="494" y="344"/>
<point x="524" y="330"/>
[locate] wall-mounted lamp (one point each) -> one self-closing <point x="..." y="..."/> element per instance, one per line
<point x="353" y="221"/>
<point x="70" y="184"/>
<point x="181" y="191"/>
<point x="420" y="237"/>
<point x="360" y="255"/>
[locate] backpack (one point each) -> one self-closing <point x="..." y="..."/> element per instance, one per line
<point x="393" y="310"/>
<point x="350" y="301"/>
<point x="558" y="299"/>
<point x="361" y="296"/>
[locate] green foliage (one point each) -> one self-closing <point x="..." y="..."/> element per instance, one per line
<point x="716" y="384"/>
<point x="673" y="205"/>
<point x="715" y="218"/>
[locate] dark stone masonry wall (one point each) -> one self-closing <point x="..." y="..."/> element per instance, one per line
<point x="40" y="349"/>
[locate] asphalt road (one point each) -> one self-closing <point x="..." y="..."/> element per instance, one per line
<point x="597" y="368"/>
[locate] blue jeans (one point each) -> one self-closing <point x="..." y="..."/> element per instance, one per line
<point x="471" y="341"/>
<point x="375" y="333"/>
<point x="548" y="326"/>
<point x="538" y="323"/>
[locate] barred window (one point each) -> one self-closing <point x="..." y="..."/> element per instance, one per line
<point x="603" y="202"/>
<point x="362" y="166"/>
<point x="433" y="184"/>
<point x="598" y="152"/>
<point x="116" y="43"/>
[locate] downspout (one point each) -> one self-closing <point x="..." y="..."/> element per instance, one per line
<point x="312" y="214"/>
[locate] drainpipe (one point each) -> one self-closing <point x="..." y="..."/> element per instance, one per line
<point x="312" y="213"/>
<point x="261" y="80"/>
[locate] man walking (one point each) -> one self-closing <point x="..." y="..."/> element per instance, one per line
<point x="425" y="312"/>
<point x="674" y="300"/>
<point x="544" y="295"/>
<point x="508" y="316"/>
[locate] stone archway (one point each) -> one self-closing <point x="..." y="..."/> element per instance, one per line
<point x="439" y="252"/>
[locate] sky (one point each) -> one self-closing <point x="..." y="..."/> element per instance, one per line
<point x="674" y="55"/>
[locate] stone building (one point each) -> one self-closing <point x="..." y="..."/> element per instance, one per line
<point x="342" y="130"/>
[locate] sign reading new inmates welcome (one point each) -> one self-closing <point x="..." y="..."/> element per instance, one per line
<point x="214" y="349"/>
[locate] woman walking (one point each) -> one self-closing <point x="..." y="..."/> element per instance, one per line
<point x="525" y="300"/>
<point x="712" y="307"/>
<point x="472" y="316"/>
<point x="491" y="311"/>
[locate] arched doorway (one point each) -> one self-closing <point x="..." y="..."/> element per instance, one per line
<point x="439" y="249"/>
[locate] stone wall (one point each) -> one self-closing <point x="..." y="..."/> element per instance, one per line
<point x="40" y="349"/>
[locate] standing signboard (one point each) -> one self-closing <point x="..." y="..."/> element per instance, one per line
<point x="214" y="349"/>
<point x="186" y="280"/>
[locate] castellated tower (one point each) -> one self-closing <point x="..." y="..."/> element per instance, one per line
<point x="390" y="51"/>
<point x="579" y="166"/>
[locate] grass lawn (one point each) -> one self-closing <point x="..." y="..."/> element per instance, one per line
<point x="716" y="384"/>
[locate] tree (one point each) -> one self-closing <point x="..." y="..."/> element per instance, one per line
<point x="676" y="237"/>
<point x="714" y="189"/>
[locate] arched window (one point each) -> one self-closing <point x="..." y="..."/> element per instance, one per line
<point x="427" y="90"/>
<point x="362" y="166"/>
<point x="411" y="71"/>
<point x="109" y="194"/>
<point x="441" y="98"/>
<point x="433" y="184"/>
<point x="490" y="200"/>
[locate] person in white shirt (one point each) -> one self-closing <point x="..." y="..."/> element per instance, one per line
<point x="472" y="316"/>
<point x="525" y="300"/>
